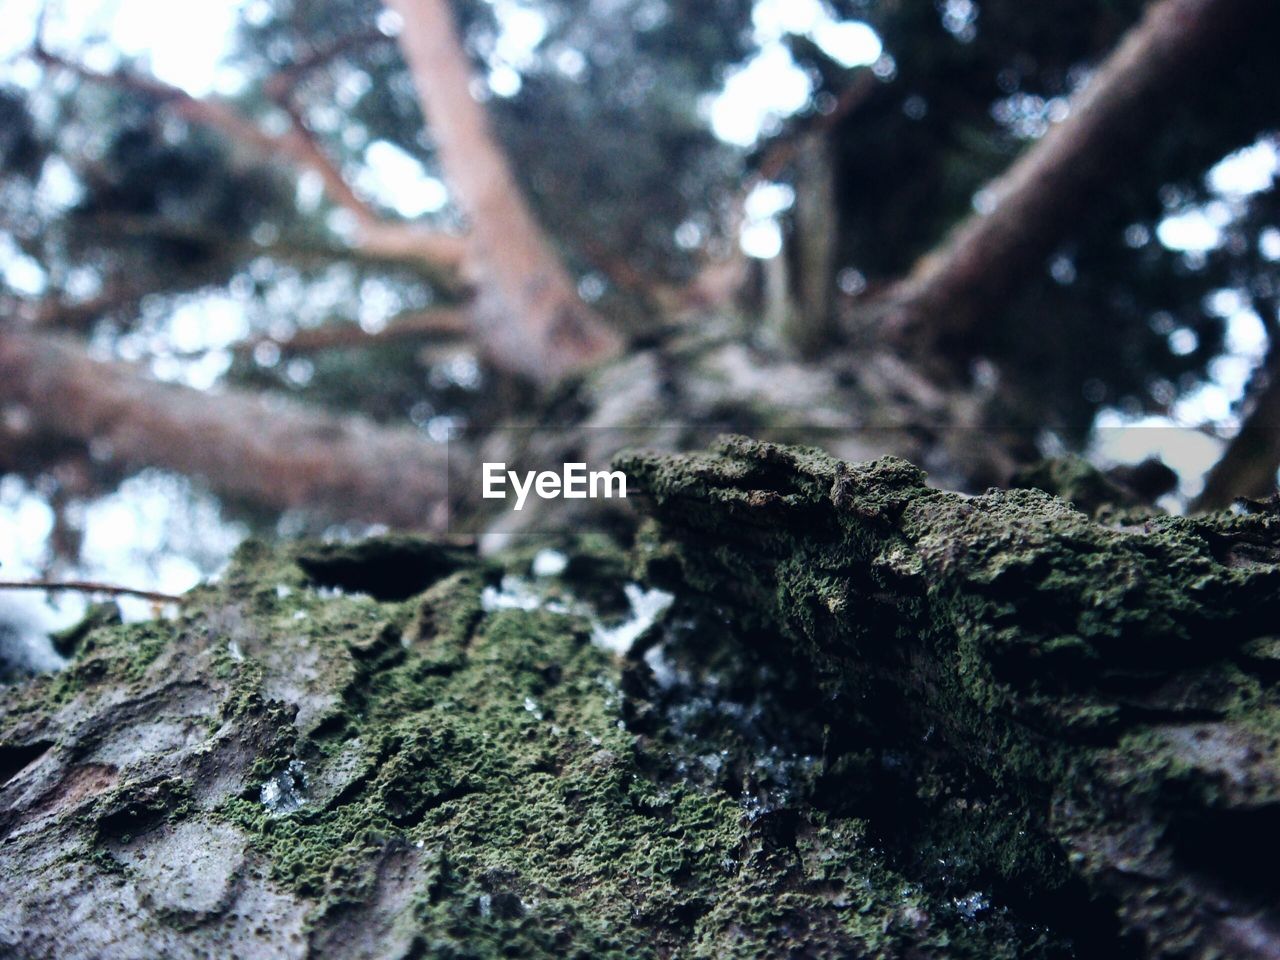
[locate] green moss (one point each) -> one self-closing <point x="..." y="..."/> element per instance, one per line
<point x="1074" y="674"/>
<point x="540" y="796"/>
<point x="493" y="746"/>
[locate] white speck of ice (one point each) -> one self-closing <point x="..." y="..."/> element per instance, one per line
<point x="646" y="607"/>
<point x="512" y="593"/>
<point x="549" y="563"/>
<point x="286" y="790"/>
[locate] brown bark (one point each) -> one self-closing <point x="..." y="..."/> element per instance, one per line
<point x="271" y="452"/>
<point x="1038" y="199"/>
<point x="530" y="316"/>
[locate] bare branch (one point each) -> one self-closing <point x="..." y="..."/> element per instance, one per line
<point x="249" y="446"/>
<point x="1248" y="466"/>
<point x="89" y="586"/>
<point x="1038" y="199"/>
<point x="529" y="313"/>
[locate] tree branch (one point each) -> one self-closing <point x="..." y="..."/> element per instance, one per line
<point x="953" y="290"/>
<point x="375" y="235"/>
<point x="1248" y="466"/>
<point x="441" y="323"/>
<point x="89" y="586"/>
<point x="265" y="450"/>
<point x="529" y="314"/>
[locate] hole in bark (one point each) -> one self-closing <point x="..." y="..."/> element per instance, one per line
<point x="1237" y="848"/>
<point x="14" y="758"/>
<point x="386" y="568"/>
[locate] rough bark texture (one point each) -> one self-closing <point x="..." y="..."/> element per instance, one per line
<point x="1111" y="679"/>
<point x="464" y="773"/>
<point x="1030" y="732"/>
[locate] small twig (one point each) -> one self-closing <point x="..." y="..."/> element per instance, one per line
<point x="88" y="586"/>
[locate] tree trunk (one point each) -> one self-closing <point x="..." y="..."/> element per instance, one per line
<point x="1028" y="734"/>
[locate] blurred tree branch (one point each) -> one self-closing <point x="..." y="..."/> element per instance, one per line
<point x="250" y="446"/>
<point x="436" y="323"/>
<point x="1248" y="466"/>
<point x="528" y="317"/>
<point x="528" y="312"/>
<point x="953" y="291"/>
<point x="375" y="235"/>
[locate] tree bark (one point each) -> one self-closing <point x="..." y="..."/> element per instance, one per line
<point x="1112" y="681"/>
<point x="293" y="773"/>
<point x="270" y="451"/>
<point x="1029" y="734"/>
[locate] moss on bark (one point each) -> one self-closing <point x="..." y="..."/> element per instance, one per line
<point x="1105" y="687"/>
<point x="876" y="720"/>
<point x="289" y="769"/>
